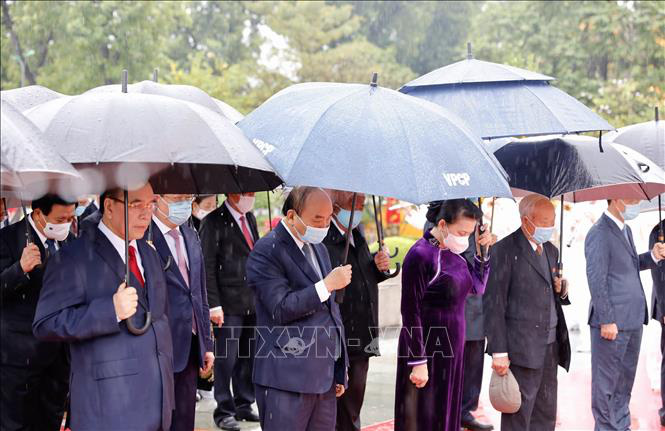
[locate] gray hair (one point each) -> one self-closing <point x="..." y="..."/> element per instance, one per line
<point x="529" y="202"/>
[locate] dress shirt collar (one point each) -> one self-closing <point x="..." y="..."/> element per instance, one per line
<point x="236" y="214"/>
<point x="41" y="236"/>
<point x="163" y="228"/>
<point x="298" y="242"/>
<point x="341" y="231"/>
<point x="618" y="222"/>
<point x="117" y="242"/>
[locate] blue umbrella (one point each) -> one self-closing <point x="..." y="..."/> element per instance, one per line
<point x="372" y="140"/>
<point x="500" y="101"/>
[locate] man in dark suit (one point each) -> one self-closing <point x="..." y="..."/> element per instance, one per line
<point x="301" y="358"/>
<point x="617" y="311"/>
<point x="180" y="251"/>
<point x="658" y="308"/>
<point x="84" y="207"/>
<point x="228" y="234"/>
<point x="360" y="309"/>
<point x="119" y="381"/>
<point x="33" y="374"/>
<point x="525" y="325"/>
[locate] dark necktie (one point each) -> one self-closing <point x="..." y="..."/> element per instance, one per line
<point x="50" y="247"/>
<point x="309" y="253"/>
<point x="134" y="266"/>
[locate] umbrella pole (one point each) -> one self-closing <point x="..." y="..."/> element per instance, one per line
<point x="600" y="141"/>
<point x="661" y="234"/>
<point x="483" y="251"/>
<point x="376" y="221"/>
<point x="339" y="296"/>
<point x="492" y="216"/>
<point x="378" y="216"/>
<point x="269" y="211"/>
<point x="560" y="265"/>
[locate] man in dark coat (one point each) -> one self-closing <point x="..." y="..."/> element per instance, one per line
<point x="525" y="325"/>
<point x="228" y="234"/>
<point x="360" y="309"/>
<point x="301" y="359"/>
<point x="119" y="381"/>
<point x="33" y="374"/>
<point x="179" y="248"/>
<point x="658" y="308"/>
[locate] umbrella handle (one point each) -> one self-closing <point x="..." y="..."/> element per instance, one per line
<point x="398" y="268"/>
<point x="139" y="331"/>
<point x="395" y="253"/>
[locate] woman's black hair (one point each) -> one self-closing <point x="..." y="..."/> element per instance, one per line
<point x="451" y="210"/>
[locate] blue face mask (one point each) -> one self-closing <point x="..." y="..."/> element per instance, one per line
<point x="344" y="216"/>
<point x="542" y="234"/>
<point x="179" y="212"/>
<point x="313" y="235"/>
<point x="78" y="212"/>
<point x="631" y="212"/>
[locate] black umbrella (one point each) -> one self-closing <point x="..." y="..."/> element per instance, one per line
<point x="572" y="168"/>
<point x="180" y="147"/>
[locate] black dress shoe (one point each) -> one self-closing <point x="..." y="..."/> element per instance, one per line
<point x="248" y="416"/>
<point x="229" y="423"/>
<point x="474" y="425"/>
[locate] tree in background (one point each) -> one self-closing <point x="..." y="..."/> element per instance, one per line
<point x="610" y="55"/>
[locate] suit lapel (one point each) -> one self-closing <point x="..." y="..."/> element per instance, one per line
<point x="191" y="243"/>
<point x="148" y="270"/>
<point x="619" y="234"/>
<point x="530" y="254"/>
<point x="105" y="249"/>
<point x="296" y="254"/>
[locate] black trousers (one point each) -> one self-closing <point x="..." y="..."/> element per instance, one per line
<point x="184" y="383"/>
<point x="661" y="412"/>
<point x="474" y="357"/>
<point x="349" y="404"/>
<point x="235" y="346"/>
<point x="291" y="411"/>
<point x="34" y="397"/>
<point x="539" y="396"/>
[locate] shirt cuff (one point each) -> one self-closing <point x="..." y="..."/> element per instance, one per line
<point x="322" y="291"/>
<point x="414" y="363"/>
<point x="499" y="355"/>
<point x="218" y="308"/>
<point x="653" y="256"/>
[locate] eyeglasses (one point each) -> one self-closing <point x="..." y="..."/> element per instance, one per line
<point x="137" y="206"/>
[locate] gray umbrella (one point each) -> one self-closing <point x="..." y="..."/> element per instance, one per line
<point x="28" y="161"/>
<point x="25" y="98"/>
<point x="182" y="147"/>
<point x="187" y="93"/>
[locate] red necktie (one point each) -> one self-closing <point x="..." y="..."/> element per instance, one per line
<point x="134" y="266"/>
<point x="245" y="232"/>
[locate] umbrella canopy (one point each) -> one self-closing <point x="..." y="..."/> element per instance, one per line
<point x="187" y="93"/>
<point x="28" y="162"/>
<point x="28" y="97"/>
<point x="646" y="138"/>
<point x="573" y="166"/>
<point x="182" y="146"/>
<point x="373" y="140"/>
<point x="229" y="111"/>
<point x="499" y="101"/>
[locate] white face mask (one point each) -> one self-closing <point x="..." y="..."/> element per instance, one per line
<point x="201" y="213"/>
<point x="456" y="244"/>
<point x="245" y="204"/>
<point x="55" y="231"/>
<point x="313" y="235"/>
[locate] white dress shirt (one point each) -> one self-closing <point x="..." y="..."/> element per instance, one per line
<point x="236" y="216"/>
<point x="119" y="245"/>
<point x="320" y="287"/>
<point x="164" y="229"/>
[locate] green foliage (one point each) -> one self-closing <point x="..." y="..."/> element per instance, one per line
<point x="403" y="244"/>
<point x="610" y="55"/>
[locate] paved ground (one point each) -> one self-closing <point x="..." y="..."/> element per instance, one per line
<point x="574" y="391"/>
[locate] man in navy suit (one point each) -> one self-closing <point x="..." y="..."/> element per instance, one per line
<point x="118" y="381"/>
<point x="180" y="251"/>
<point x="617" y="311"/>
<point x="33" y="374"/>
<point x="301" y="361"/>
